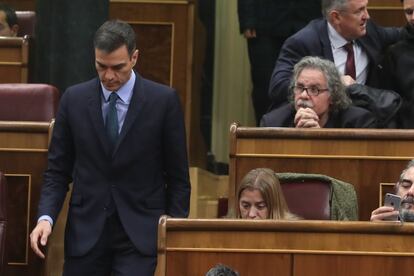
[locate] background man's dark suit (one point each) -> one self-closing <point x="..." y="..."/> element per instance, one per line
<point x="146" y="175"/>
<point x="313" y="40"/>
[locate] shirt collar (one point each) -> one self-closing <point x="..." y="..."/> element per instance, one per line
<point x="337" y="41"/>
<point x="125" y="92"/>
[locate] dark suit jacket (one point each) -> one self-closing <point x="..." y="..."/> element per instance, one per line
<point x="399" y="75"/>
<point x="279" y="18"/>
<point x="313" y="40"/>
<point x="147" y="173"/>
<point x="352" y="117"/>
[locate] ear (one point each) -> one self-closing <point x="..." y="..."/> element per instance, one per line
<point x="14" y="30"/>
<point x="135" y="56"/>
<point x="334" y="17"/>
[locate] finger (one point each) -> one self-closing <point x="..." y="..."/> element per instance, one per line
<point x="383" y="215"/>
<point x="34" y="238"/>
<point x="45" y="235"/>
<point x="311" y="124"/>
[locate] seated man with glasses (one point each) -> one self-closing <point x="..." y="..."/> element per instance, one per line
<point x="318" y="100"/>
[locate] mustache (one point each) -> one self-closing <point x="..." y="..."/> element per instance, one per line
<point x="304" y="103"/>
<point x="409" y="200"/>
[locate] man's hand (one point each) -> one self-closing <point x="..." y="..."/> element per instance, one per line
<point x="41" y="232"/>
<point x="249" y="33"/>
<point x="306" y="118"/>
<point x="347" y="80"/>
<point x="383" y="212"/>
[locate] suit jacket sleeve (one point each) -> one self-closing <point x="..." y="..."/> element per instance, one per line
<point x="175" y="160"/>
<point x="357" y="117"/>
<point x="58" y="174"/>
<point x="246" y="12"/>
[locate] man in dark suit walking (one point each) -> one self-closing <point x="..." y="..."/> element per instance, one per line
<point x="121" y="139"/>
<point x="345" y="22"/>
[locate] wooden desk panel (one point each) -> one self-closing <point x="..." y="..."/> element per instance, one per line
<point x="362" y="157"/>
<point x="294" y="248"/>
<point x="14" y="58"/>
<point x="351" y="265"/>
<point x="23" y="159"/>
<point x="198" y="263"/>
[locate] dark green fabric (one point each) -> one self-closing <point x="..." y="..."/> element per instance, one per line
<point x="344" y="204"/>
<point x="64" y="40"/>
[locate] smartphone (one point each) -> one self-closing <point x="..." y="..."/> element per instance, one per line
<point x="392" y="201"/>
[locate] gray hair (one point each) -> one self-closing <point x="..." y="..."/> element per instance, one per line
<point x="114" y="34"/>
<point x="409" y="165"/>
<point x="222" y="270"/>
<point x="339" y="98"/>
<point x="329" y="5"/>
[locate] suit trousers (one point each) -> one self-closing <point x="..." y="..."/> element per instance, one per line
<point x="263" y="53"/>
<point x="113" y="255"/>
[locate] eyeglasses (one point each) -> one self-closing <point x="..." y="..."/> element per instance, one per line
<point x="311" y="91"/>
<point x="408" y="11"/>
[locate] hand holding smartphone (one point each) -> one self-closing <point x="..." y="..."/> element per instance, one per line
<point x="394" y="201"/>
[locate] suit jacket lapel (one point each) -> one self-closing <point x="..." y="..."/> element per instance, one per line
<point x="95" y="112"/>
<point x="325" y="42"/>
<point x="135" y="107"/>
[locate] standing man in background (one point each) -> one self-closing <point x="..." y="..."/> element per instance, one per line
<point x="121" y="139"/>
<point x="266" y="24"/>
<point x="346" y="36"/>
<point x="398" y="68"/>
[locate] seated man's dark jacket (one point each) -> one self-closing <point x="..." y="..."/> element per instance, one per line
<point x="352" y="117"/>
<point x="399" y="76"/>
<point x="313" y="40"/>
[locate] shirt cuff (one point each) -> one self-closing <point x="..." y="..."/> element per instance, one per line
<point x="46" y="217"/>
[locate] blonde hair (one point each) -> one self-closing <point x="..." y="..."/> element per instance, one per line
<point x="265" y="181"/>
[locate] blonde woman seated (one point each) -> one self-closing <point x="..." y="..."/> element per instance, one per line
<point x="260" y="196"/>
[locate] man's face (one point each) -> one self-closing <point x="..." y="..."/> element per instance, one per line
<point x="5" y="30"/>
<point x="320" y="103"/>
<point x="405" y="189"/>
<point x="408" y="6"/>
<point x="252" y="205"/>
<point x="351" y="22"/>
<point x="114" y="69"/>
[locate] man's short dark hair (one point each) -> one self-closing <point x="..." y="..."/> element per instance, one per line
<point x="114" y="34"/>
<point x="11" y="16"/>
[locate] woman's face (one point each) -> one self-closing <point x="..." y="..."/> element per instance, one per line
<point x="252" y="205"/>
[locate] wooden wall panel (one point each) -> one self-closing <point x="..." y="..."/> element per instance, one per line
<point x="23" y="159"/>
<point x="22" y="5"/>
<point x="156" y="42"/>
<point x="387" y="12"/>
<point x="169" y="41"/>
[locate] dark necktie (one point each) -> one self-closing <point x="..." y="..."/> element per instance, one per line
<point x="112" y="120"/>
<point x="350" y="60"/>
